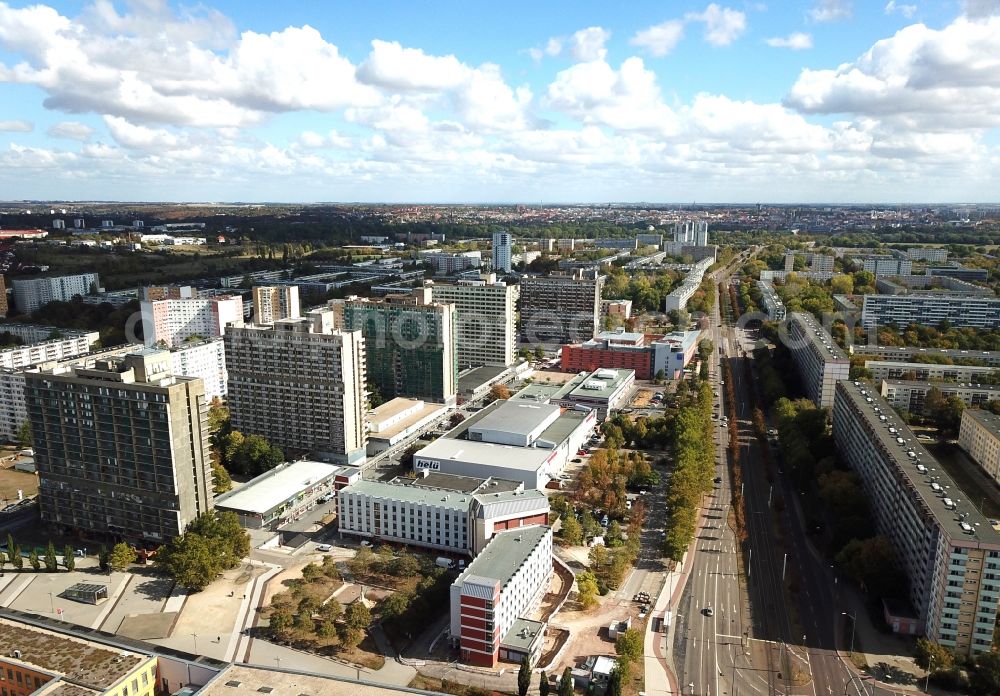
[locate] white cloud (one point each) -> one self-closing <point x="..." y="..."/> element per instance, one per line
<point x="588" y="44"/>
<point x="332" y="139"/>
<point x="831" y="10"/>
<point x="16" y="126"/>
<point x="659" y="39"/>
<point x="977" y="9"/>
<point x="71" y="130"/>
<point x="797" y="41"/>
<point x="947" y="79"/>
<point x="906" y="10"/>
<point x="391" y="66"/>
<point x="723" y="25"/>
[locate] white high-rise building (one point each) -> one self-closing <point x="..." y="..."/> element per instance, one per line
<point x="30" y="294"/>
<point x="486" y="320"/>
<point x="204" y="359"/>
<point x="273" y="302"/>
<point x="502" y="251"/>
<point x="173" y="321"/>
<point x="300" y="384"/>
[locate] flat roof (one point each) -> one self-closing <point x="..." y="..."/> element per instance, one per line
<point x="245" y="679"/>
<point x="563" y="426"/>
<point x="411" y="494"/>
<point x="987" y="419"/>
<point x="520" y="417"/>
<point x="819" y="337"/>
<point x="977" y="369"/>
<point x="503" y="555"/>
<point x="942" y="386"/>
<point x="621" y="336"/>
<point x="426" y="411"/>
<point x="867" y="400"/>
<point x="488" y="453"/>
<point x="478" y="376"/>
<point x="83" y="661"/>
<point x="523" y="634"/>
<point x="392" y="407"/>
<point x="274" y="487"/>
<point x="913" y="350"/>
<point x="460" y="484"/>
<point x="609" y="386"/>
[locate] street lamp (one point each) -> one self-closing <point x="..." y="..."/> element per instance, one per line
<point x="854" y="624"/>
<point x="927" y="680"/>
<point x="195" y="636"/>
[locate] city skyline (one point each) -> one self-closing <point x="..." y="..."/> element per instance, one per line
<point x="831" y="101"/>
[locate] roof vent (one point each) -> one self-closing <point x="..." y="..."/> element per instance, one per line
<point x="16" y="654"/>
<point x="233" y="683"/>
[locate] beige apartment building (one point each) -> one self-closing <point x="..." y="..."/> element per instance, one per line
<point x="486" y="320"/>
<point x="979" y="436"/>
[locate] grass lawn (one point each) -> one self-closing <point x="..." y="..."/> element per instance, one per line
<point x="12" y="481"/>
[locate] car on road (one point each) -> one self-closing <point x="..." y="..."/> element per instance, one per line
<point x="324" y="548"/>
<point x="581" y="452"/>
<point x="708" y="611"/>
<point x="718" y="479"/>
<point x="643" y="610"/>
<point x="577" y="460"/>
<point x="367" y="544"/>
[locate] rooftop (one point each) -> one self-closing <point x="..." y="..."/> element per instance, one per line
<point x="243" y="680"/>
<point x="426" y="410"/>
<point x="518" y="417"/>
<point x="562" y="426"/>
<point x="523" y="634"/>
<point x="399" y="489"/>
<point x="461" y="484"/>
<point x="600" y="384"/>
<point x="470" y="380"/>
<point x="274" y="487"/>
<point x="918" y="468"/>
<point x="819" y="337"/>
<point x="503" y="555"/>
<point x="987" y="419"/>
<point x="943" y="386"/>
<point x="508" y="456"/>
<point x="84" y="662"/>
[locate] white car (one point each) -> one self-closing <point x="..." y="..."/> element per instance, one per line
<point x="366" y="544"/>
<point x="324" y="548"/>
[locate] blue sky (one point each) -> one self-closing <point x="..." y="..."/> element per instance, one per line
<point x="820" y="100"/>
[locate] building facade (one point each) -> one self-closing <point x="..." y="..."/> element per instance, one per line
<point x="887" y="369"/>
<point x="503" y="250"/>
<point x="820" y="361"/>
<point x="560" y="308"/>
<point x="504" y="583"/>
<point x="30" y="294"/>
<point x="205" y="360"/>
<point x="948" y="550"/>
<point x="410" y="344"/>
<point x="911" y="395"/>
<point x="300" y="384"/>
<point x="770" y="301"/>
<point x="122" y="448"/>
<point x="170" y="322"/>
<point x="273" y="302"/>
<point x="931" y="309"/>
<point x="979" y="436"/>
<point x="485" y="320"/>
<point x="956" y="356"/>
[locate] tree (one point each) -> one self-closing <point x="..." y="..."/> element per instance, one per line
<point x="69" y="560"/>
<point x="252" y="454"/>
<point x="191" y="560"/>
<point x="930" y="655"/>
<point x="571" y="531"/>
<point x="350" y="638"/>
<point x="613" y="537"/>
<point x="394" y="606"/>
<point x="362" y="562"/>
<point x="358" y="615"/>
<point x="586" y="584"/>
<point x="311" y="572"/>
<point x="33" y="560"/>
<point x="121" y="557"/>
<point x="221" y="482"/>
<point x="326" y="629"/>
<point x="524" y="677"/>
<point x="104" y="558"/>
<point x="629" y="645"/>
<point x="985" y="678"/>
<point x="23" y="436"/>
<point x="280" y="622"/>
<point x="566" y="683"/>
<point x="51" y="562"/>
<point x="304" y="622"/>
<point x="499" y="392"/>
<point x="616" y="681"/>
<point x="543" y="684"/>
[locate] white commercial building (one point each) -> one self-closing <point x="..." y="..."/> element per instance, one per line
<point x="503" y="249"/>
<point x="446" y="264"/>
<point x="504" y="584"/>
<point x="30" y="294"/>
<point x="399" y="419"/>
<point x="948" y="550"/>
<point x="272" y="302"/>
<point x="455" y="514"/>
<point x="485" y="445"/>
<point x="820" y="361"/>
<point x="485" y="320"/>
<point x="173" y="321"/>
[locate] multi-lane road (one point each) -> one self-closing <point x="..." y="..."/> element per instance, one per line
<point x="754" y="641"/>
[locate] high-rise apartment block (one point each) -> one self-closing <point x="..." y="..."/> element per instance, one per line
<point x="560" y="308"/>
<point x="931" y="309"/>
<point x="203" y="359"/>
<point x="503" y="249"/>
<point x="979" y="436"/>
<point x="173" y="321"/>
<point x="30" y="294"/>
<point x="883" y="264"/>
<point x="948" y="550"/>
<point x="3" y="298"/>
<point x="687" y="233"/>
<point x="820" y="361"/>
<point x="935" y="254"/>
<point x="121" y="447"/>
<point x="273" y="302"/>
<point x="300" y="384"/>
<point x="770" y="301"/>
<point x="486" y="320"/>
<point x="410" y="343"/>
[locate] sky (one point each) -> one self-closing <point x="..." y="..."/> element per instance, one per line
<point x="810" y="101"/>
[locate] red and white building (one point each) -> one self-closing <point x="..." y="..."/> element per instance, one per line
<point x="23" y="234"/>
<point x="174" y="320"/>
<point x="492" y="598"/>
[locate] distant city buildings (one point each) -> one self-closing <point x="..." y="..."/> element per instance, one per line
<point x="172" y="321"/>
<point x="678" y="298"/>
<point x="410" y="344"/>
<point x="770" y="301"/>
<point x="560" y="308"/>
<point x="687" y="233"/>
<point x="30" y="294"/>
<point x="503" y="250"/>
<point x="933" y="254"/>
<point x="121" y="447"/>
<point x="646" y="354"/>
<point x="948" y="550"/>
<point x="300" y="384"/>
<point x="882" y="265"/>
<point x="485" y="319"/>
<point x="271" y="303"/>
<point x="903" y="353"/>
<point x="887" y="369"/>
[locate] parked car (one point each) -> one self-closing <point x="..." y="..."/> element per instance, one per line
<point x="367" y="544"/>
<point x="708" y="611"/>
<point x="324" y="548"/>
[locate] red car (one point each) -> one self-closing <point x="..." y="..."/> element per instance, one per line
<point x="581" y="452"/>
